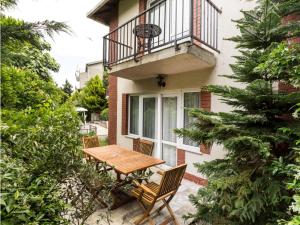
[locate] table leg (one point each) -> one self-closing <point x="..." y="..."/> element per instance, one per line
<point x="118" y="176"/>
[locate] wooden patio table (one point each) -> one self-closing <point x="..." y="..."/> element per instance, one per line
<point x="124" y="161"/>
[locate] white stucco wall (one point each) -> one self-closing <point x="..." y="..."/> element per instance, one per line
<point x="197" y="79"/>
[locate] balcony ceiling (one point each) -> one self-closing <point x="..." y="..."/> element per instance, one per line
<point x="102" y="11"/>
<point x="166" y="61"/>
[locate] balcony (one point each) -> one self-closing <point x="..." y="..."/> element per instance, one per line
<point x="171" y="37"/>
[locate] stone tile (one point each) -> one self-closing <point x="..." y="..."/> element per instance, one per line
<point x="127" y="214"/>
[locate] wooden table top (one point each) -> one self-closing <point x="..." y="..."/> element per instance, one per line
<point x="123" y="160"/>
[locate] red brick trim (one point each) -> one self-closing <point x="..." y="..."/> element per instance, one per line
<point x="205" y="103"/>
<point x="112" y="109"/>
<point x="205" y="100"/>
<point x="112" y="88"/>
<point x="195" y="179"/>
<point x="142" y="5"/>
<point x="205" y="149"/>
<point x="180" y="157"/>
<point x="292" y="18"/>
<point x="283" y="87"/>
<point x="125" y="114"/>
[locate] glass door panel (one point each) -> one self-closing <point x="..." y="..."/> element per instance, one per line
<point x="169" y="123"/>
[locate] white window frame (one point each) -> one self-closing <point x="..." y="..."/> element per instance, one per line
<point x="158" y="120"/>
<point x="181" y="145"/>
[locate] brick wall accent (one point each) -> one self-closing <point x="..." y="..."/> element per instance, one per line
<point x="142" y="5"/>
<point x="189" y="176"/>
<point x="205" y="149"/>
<point x="205" y="100"/>
<point x="195" y="179"/>
<point x="180" y="157"/>
<point x="125" y="114"/>
<point x="196" y="20"/>
<point x="286" y="87"/>
<point x="285" y="20"/>
<point x="292" y="18"/>
<point x="113" y="87"/>
<point x="205" y="103"/>
<point x="112" y="109"/>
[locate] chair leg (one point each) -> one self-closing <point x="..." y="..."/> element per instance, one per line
<point x="171" y="213"/>
<point x="145" y="216"/>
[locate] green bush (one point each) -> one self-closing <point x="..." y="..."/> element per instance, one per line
<point x="28" y="200"/>
<point x="104" y="114"/>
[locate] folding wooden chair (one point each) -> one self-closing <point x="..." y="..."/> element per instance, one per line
<point x="90" y="142"/>
<point x="145" y="147"/>
<point x="148" y="194"/>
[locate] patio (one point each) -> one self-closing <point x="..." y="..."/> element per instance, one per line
<point x="127" y="213"/>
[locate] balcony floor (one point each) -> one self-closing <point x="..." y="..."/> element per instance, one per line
<point x="128" y="213"/>
<point x="166" y="61"/>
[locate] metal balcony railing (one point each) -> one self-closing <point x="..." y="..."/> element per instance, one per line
<point x="167" y="23"/>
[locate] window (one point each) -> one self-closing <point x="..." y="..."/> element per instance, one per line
<point x="134" y="115"/>
<point x="169" y="154"/>
<point x="149" y="117"/>
<point x="191" y="100"/>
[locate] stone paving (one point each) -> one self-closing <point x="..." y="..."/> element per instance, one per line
<point x="127" y="214"/>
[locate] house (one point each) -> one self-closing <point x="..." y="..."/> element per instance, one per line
<point x="91" y="70"/>
<point x="160" y="55"/>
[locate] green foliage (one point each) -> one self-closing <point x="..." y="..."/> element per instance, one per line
<point x="23" y="44"/>
<point x="92" y="96"/>
<point x="67" y="88"/>
<point x="21" y="89"/>
<point x="28" y="201"/>
<point x="249" y="186"/>
<point x="104" y="114"/>
<point x="44" y="179"/>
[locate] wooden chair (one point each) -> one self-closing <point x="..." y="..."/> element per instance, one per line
<point x="90" y="142"/>
<point x="148" y="194"/>
<point x="145" y="147"/>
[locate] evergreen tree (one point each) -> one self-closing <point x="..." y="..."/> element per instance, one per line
<point x="92" y="96"/>
<point x="249" y="186"/>
<point x="67" y="88"/>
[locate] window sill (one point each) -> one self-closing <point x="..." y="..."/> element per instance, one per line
<point x="192" y="149"/>
<point x="132" y="136"/>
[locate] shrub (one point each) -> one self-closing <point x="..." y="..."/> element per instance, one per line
<point x="104" y="114"/>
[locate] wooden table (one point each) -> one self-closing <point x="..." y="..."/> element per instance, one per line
<point x="124" y="161"/>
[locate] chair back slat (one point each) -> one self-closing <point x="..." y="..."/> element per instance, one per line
<point x="171" y="180"/>
<point x="144" y="147"/>
<point x="90" y="142"/>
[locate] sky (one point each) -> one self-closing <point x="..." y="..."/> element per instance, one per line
<point x="72" y="52"/>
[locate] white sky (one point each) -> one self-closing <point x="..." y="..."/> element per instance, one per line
<point x="71" y="52"/>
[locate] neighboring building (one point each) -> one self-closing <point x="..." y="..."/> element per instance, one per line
<point x="91" y="69"/>
<point x="152" y="80"/>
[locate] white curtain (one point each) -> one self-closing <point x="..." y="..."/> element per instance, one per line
<point x="169" y="154"/>
<point x="149" y="117"/>
<point x="134" y="114"/>
<point x="169" y="117"/>
<point x="191" y="100"/>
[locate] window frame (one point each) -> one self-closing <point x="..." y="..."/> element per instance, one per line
<point x="179" y="93"/>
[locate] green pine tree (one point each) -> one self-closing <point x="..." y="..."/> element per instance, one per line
<point x="249" y="186"/>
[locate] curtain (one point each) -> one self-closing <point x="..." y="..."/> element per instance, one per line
<point x="169" y="154"/>
<point x="149" y="117"/>
<point x="191" y="100"/>
<point x="169" y="117"/>
<point x="134" y="115"/>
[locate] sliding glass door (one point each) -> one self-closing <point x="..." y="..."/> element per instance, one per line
<point x="168" y="124"/>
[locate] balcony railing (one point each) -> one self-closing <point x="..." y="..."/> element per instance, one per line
<point x="167" y="23"/>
